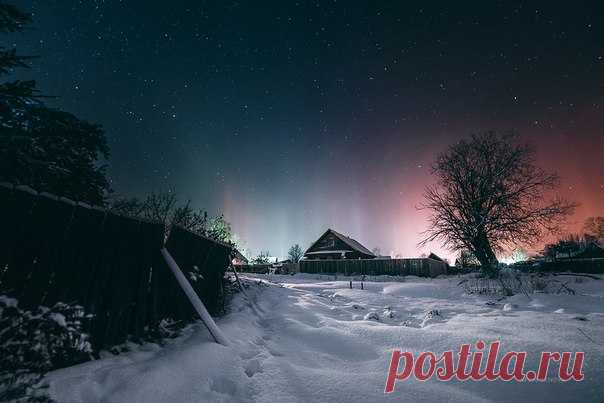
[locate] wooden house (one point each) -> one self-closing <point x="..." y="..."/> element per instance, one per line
<point x="332" y="246"/>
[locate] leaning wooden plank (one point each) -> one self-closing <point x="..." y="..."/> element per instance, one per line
<point x="194" y="298"/>
<point x="238" y="282"/>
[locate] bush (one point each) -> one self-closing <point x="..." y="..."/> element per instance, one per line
<point x="34" y="343"/>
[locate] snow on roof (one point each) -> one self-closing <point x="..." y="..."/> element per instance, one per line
<point x="319" y="252"/>
<point x="355" y="245"/>
<point x="352" y="243"/>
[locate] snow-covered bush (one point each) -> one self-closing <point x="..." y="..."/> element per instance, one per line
<point x="35" y="342"/>
<point x="510" y="282"/>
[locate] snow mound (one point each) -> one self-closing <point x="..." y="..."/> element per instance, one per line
<point x="372" y="316"/>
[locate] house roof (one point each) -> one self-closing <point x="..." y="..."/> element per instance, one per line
<point x="238" y="255"/>
<point x="355" y="245"/>
<point x="434" y="256"/>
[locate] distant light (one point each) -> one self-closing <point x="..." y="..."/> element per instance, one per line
<point x="515" y="257"/>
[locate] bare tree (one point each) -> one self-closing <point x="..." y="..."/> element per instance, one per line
<point x="262" y="258"/>
<point x="164" y="208"/>
<point x="295" y="253"/>
<point x="490" y="196"/>
<point x="594" y="226"/>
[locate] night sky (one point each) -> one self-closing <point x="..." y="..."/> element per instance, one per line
<point x="292" y="117"/>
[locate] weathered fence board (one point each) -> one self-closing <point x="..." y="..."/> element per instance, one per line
<point x="395" y="267"/>
<point x="53" y="250"/>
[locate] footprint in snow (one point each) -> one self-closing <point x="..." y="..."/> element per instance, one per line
<point x="273" y="352"/>
<point x="260" y="341"/>
<point x="252" y="367"/>
<point x="224" y="386"/>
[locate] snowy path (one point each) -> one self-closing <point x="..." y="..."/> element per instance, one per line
<point x="308" y="341"/>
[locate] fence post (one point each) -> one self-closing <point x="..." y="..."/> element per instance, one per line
<point x="194" y="298"/>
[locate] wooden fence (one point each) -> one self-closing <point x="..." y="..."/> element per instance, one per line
<point x="592" y="266"/>
<point x="424" y="267"/>
<point x="54" y="250"/>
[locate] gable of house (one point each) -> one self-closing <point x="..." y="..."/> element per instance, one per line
<point x="332" y="242"/>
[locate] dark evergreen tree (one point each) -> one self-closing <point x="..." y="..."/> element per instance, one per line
<point x="12" y="20"/>
<point x="47" y="149"/>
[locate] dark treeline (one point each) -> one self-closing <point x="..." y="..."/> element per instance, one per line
<point x="54" y="151"/>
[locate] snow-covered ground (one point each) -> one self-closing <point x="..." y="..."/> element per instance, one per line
<point x="312" y="339"/>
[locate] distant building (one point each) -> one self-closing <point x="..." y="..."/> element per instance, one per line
<point x="238" y="259"/>
<point x="333" y="245"/>
<point x="336" y="253"/>
<point x="281" y="263"/>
